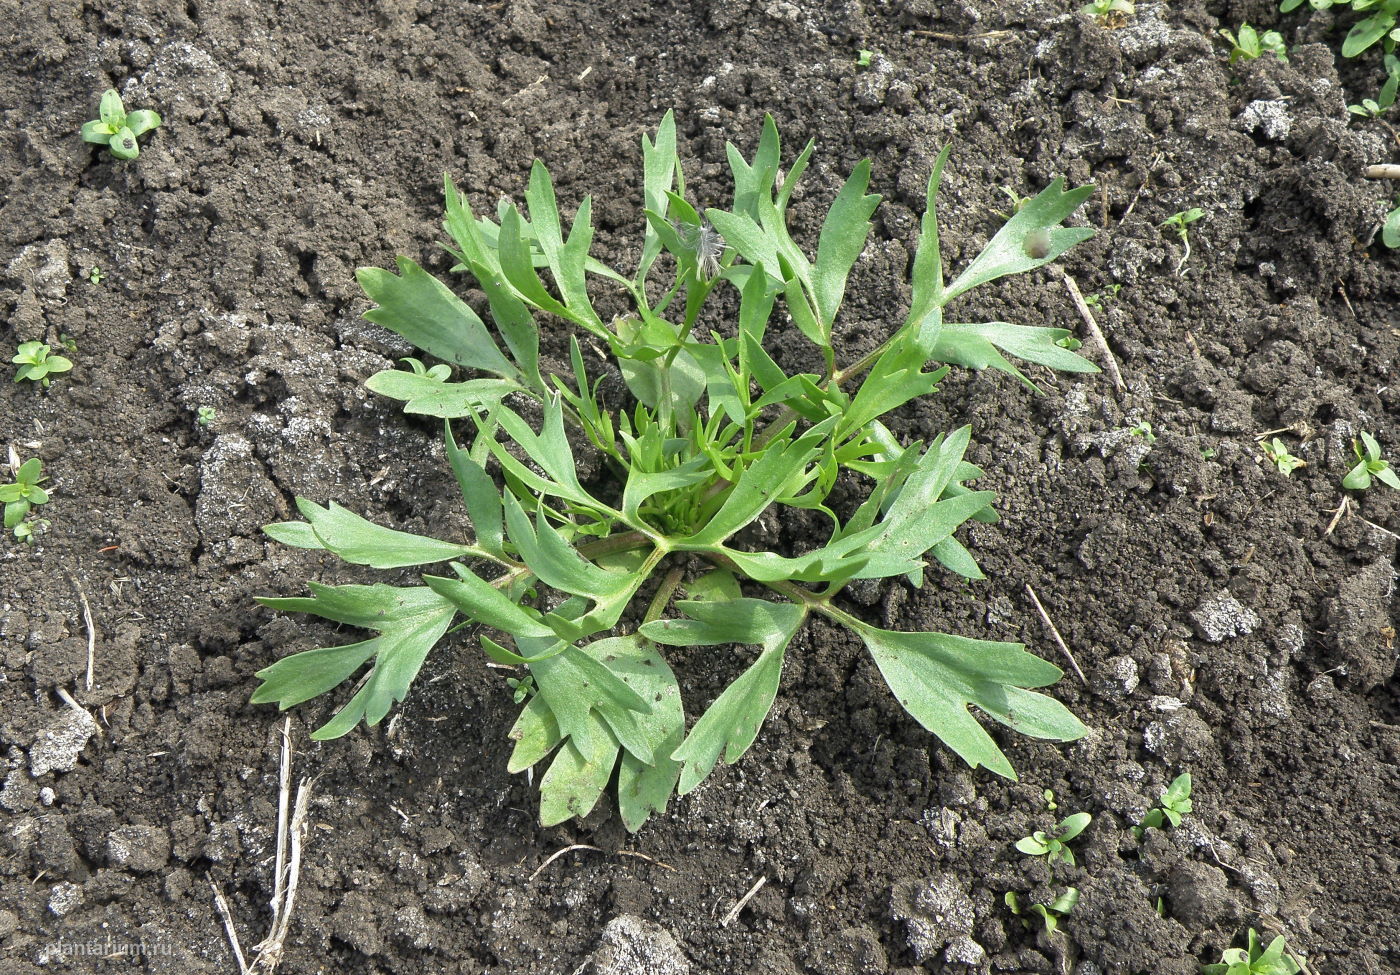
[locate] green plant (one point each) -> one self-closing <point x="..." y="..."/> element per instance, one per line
<point x="1143" y="430"/>
<point x="1173" y="804"/>
<point x="95" y="274"/>
<point x="1390" y="229"/>
<point x="206" y="415"/>
<point x="37" y="363"/>
<point x="1110" y="13"/>
<point x="1103" y="296"/>
<point x="1369" y="465"/>
<point x="1385" y="98"/>
<point x="1050" y="914"/>
<point x="118" y="129"/>
<point x="1179" y="223"/>
<point x="715" y="435"/>
<point x="1379" y="26"/>
<point x="1277" y="452"/>
<point x="1273" y="960"/>
<point x="1054" y="845"/>
<point x="23" y="494"/>
<point x="864" y="57"/>
<point x="1249" y="44"/>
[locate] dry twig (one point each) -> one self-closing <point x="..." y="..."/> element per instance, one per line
<point x="739" y="906"/>
<point x="1078" y="298"/>
<point x="1055" y="632"/>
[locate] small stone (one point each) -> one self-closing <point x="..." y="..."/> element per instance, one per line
<point x="962" y="950"/>
<point x="144" y="849"/>
<point x="57" y="747"/>
<point x="632" y="945"/>
<point x="934" y="914"/>
<point x="1221" y="617"/>
<point x="1119" y="677"/>
<point x="64" y="897"/>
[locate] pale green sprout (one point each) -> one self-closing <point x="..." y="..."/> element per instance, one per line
<point x="1277" y="452"/>
<point x="1110" y="13"/>
<point x="1050" y="914"/>
<point x="1249" y="44"/>
<point x="1256" y="960"/>
<point x="118" y="129"/>
<point x="1054" y="845"/>
<point x="1179" y="223"/>
<point x="23" y="494"/>
<point x="38" y="364"/>
<point x="716" y="434"/>
<point x="1174" y="804"/>
<point x="1369" y="466"/>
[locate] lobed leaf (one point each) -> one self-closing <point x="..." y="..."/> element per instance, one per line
<point x="409" y="621"/>
<point x="936" y="676"/>
<point x="362" y="542"/>
<point x="423" y="310"/>
<point x="975" y="346"/>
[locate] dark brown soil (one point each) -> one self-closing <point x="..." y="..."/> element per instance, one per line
<point x="1228" y="624"/>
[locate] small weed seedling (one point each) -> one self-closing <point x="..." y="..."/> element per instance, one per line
<point x="1050" y="804"/>
<point x="23" y="494"/>
<point x="1277" y="452"/>
<point x="1055" y="844"/>
<point x="864" y="57"/>
<point x="1254" y="960"/>
<point x="1369" y="466"/>
<point x="37" y="363"/>
<point x="1249" y="44"/>
<point x="1174" y="803"/>
<point x="1365" y="33"/>
<point x="1143" y="430"/>
<point x="1390" y="230"/>
<point x="206" y="415"/>
<point x="95" y="274"/>
<point x="1110" y="13"/>
<point x="1101" y="298"/>
<point x="1179" y="223"/>
<point x="1050" y="914"/>
<point x="710" y="433"/>
<point x="118" y="129"/>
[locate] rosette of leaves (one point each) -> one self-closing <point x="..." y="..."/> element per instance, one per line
<point x="118" y="129"/>
<point x="716" y="434"/>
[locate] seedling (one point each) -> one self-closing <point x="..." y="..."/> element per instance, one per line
<point x="1050" y="914"/>
<point x="1017" y="202"/>
<point x="206" y="415"/>
<point x="37" y="363"/>
<point x="715" y="433"/>
<point x="1369" y="465"/>
<point x="1277" y="452"/>
<point x="1253" y="960"/>
<point x="1143" y="430"/>
<point x="1104" y="296"/>
<point x="1390" y="230"/>
<point x="1054" y="845"/>
<point x="95" y="274"/>
<point x="1110" y="13"/>
<point x="1050" y="804"/>
<point x="23" y="494"/>
<point x="863" y="58"/>
<point x="1178" y="223"/>
<point x="1173" y="804"/>
<point x="1378" y="27"/>
<point x="1249" y="44"/>
<point x="118" y="129"/>
<point x="520" y="689"/>
<point x="26" y="530"/>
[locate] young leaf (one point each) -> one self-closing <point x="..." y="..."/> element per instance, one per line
<point x="1013" y="248"/>
<point x="731" y="724"/>
<point x="479" y="492"/>
<point x="658" y="176"/>
<point x="423" y="310"/>
<point x="362" y="542"/>
<point x="409" y="621"/>
<point x="753" y="183"/>
<point x="935" y="676"/>
<point x="843" y="237"/>
<point x="975" y="346"/>
<point x="431" y="397"/>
